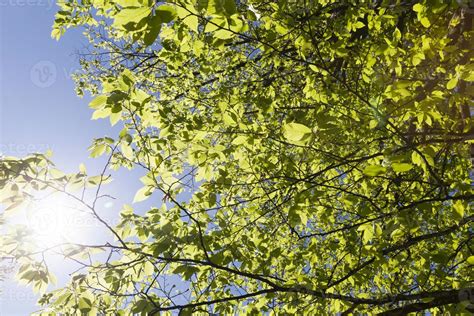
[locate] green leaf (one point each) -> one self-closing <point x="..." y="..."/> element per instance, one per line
<point x="141" y="306"/>
<point x="153" y="30"/>
<point x="294" y="217"/>
<point x="358" y="25"/>
<point x="223" y="34"/>
<point x="459" y="208"/>
<point x="189" y="18"/>
<point x="148" y="268"/>
<point x="425" y="22"/>
<point x="63" y="299"/>
<point x="368" y="232"/>
<point x="101" y="113"/>
<point x="185" y="312"/>
<point x="166" y="13"/>
<point x="143" y="194"/>
<point x="215" y="24"/>
<point x="115" y="118"/>
<point x="56" y="33"/>
<point x="401" y="167"/>
<point x="373" y="124"/>
<point x="98" y="150"/>
<point x="128" y="79"/>
<point x="128" y="3"/>
<point x="187" y="271"/>
<point x="397" y="35"/>
<point x="228" y="119"/>
<point x="374" y="170"/>
<point x="295" y="131"/>
<point x="85" y="304"/>
<point x="82" y="168"/>
<point x="192" y="22"/>
<point x="127" y="210"/>
<point x="239" y="140"/>
<point x="94" y="180"/>
<point x="417" y="159"/>
<point x="230" y="7"/>
<point x="98" y="102"/>
<point x="470" y="260"/>
<point x="418" y="7"/>
<point x="452" y="83"/>
<point x="219" y="7"/>
<point x="129" y="17"/>
<point x="397" y="234"/>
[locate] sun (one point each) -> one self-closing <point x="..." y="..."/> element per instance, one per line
<point x="54" y="219"/>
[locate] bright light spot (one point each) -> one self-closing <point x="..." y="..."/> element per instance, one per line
<point x="109" y="204"/>
<point x="56" y="219"/>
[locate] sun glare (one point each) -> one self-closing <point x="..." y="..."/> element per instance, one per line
<point x="54" y="220"/>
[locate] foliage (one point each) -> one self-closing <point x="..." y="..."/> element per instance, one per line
<point x="313" y="156"/>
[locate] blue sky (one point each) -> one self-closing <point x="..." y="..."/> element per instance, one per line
<point x="39" y="109"/>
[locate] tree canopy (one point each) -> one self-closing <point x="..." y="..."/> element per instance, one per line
<point x="312" y="157"/>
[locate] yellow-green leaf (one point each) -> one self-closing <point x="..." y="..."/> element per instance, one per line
<point x="458" y="207"/>
<point x="470" y="260"/>
<point x="401" y="167"/>
<point x="425" y="22"/>
<point x="374" y="170"/>
<point x="295" y="131"/>
<point x="143" y="194"/>
<point x="98" y="102"/>
<point x="452" y="83"/>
